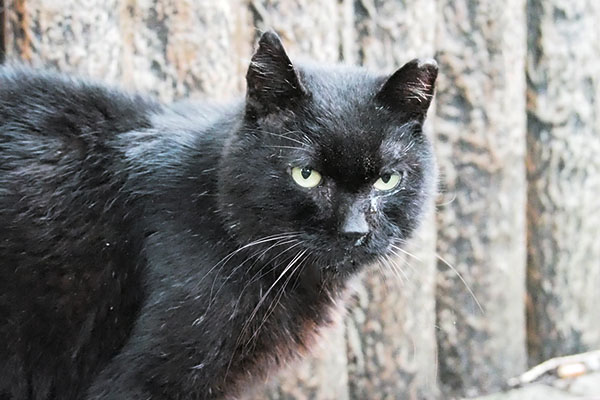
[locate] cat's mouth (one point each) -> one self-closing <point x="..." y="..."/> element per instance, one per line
<point x="358" y="252"/>
<point x="344" y="253"/>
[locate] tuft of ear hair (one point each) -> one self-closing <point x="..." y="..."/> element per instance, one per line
<point x="272" y="81"/>
<point x="410" y="89"/>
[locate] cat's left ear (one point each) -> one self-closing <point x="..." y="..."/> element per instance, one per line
<point x="272" y="81"/>
<point x="410" y="89"/>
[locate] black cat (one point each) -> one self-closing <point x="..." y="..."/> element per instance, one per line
<point x="181" y="252"/>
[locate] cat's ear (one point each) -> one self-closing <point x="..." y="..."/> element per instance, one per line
<point x="410" y="89"/>
<point x="272" y="81"/>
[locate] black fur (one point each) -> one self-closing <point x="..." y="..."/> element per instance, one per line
<point x="165" y="252"/>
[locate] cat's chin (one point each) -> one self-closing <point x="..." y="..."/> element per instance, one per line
<point x="348" y="255"/>
<point x="352" y="262"/>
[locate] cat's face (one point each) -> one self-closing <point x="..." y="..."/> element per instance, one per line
<point x="332" y="161"/>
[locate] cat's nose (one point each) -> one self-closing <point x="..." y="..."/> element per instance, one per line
<point x="355" y="226"/>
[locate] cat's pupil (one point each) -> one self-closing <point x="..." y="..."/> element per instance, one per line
<point x="306" y="172"/>
<point x="386" y="178"/>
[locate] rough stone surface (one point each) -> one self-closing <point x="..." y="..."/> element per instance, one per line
<point x="480" y="126"/>
<point x="563" y="171"/>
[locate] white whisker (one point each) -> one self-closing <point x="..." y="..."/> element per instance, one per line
<point x="463" y="281"/>
<point x="277" y="299"/>
<point x="400" y="249"/>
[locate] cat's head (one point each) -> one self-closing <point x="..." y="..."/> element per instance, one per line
<point x="329" y="163"/>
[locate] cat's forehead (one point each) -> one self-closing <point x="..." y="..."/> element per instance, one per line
<point x="342" y="109"/>
<point x="340" y="88"/>
<point x="342" y="103"/>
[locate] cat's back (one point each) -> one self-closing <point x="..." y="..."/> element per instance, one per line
<point x="51" y="105"/>
<point x="69" y="263"/>
<point x="60" y="147"/>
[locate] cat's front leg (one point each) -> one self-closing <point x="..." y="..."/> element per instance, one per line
<point x="181" y="348"/>
<point x="144" y="376"/>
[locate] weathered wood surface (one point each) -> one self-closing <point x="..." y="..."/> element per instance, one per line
<point x="2" y="31"/>
<point x="480" y="126"/>
<point x="169" y="48"/>
<point x="67" y="36"/>
<point x="177" y="48"/>
<point x="387" y="347"/>
<point x="563" y="171"/>
<point x="391" y="329"/>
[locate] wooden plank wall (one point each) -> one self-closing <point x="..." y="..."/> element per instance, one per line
<point x="480" y="126"/>
<point x="2" y="30"/>
<point x="563" y="169"/>
<point x="516" y="127"/>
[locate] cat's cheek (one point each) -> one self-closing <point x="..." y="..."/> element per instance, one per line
<point x="304" y="212"/>
<point x="391" y="214"/>
<point x="317" y="200"/>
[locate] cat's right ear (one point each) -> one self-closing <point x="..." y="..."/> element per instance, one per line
<point x="272" y="81"/>
<point x="410" y="89"/>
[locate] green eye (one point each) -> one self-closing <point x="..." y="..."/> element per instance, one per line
<point x="387" y="182"/>
<point x="306" y="177"/>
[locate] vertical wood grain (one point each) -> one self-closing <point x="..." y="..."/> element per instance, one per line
<point x="391" y="330"/>
<point x="387" y="347"/>
<point x="480" y="126"/>
<point x="2" y="31"/>
<point x="68" y="35"/>
<point x="170" y="48"/>
<point x="182" y="48"/>
<point x="563" y="171"/>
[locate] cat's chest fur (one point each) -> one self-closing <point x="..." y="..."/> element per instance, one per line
<point x="259" y="307"/>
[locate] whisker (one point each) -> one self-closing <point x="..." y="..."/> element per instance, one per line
<point x="228" y="257"/>
<point x="400" y="249"/>
<point x="246" y="325"/>
<point x="447" y="202"/>
<point x="384" y="278"/>
<point x="277" y="299"/>
<point x="286" y="137"/>
<point x="382" y="262"/>
<point x="394" y="269"/>
<point x="260" y="272"/>
<point x="260" y="254"/>
<point x="404" y="259"/>
<point x="287" y="147"/>
<point x="462" y="280"/>
<point x="264" y="296"/>
<point x="256" y="242"/>
<point x="399" y="269"/>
